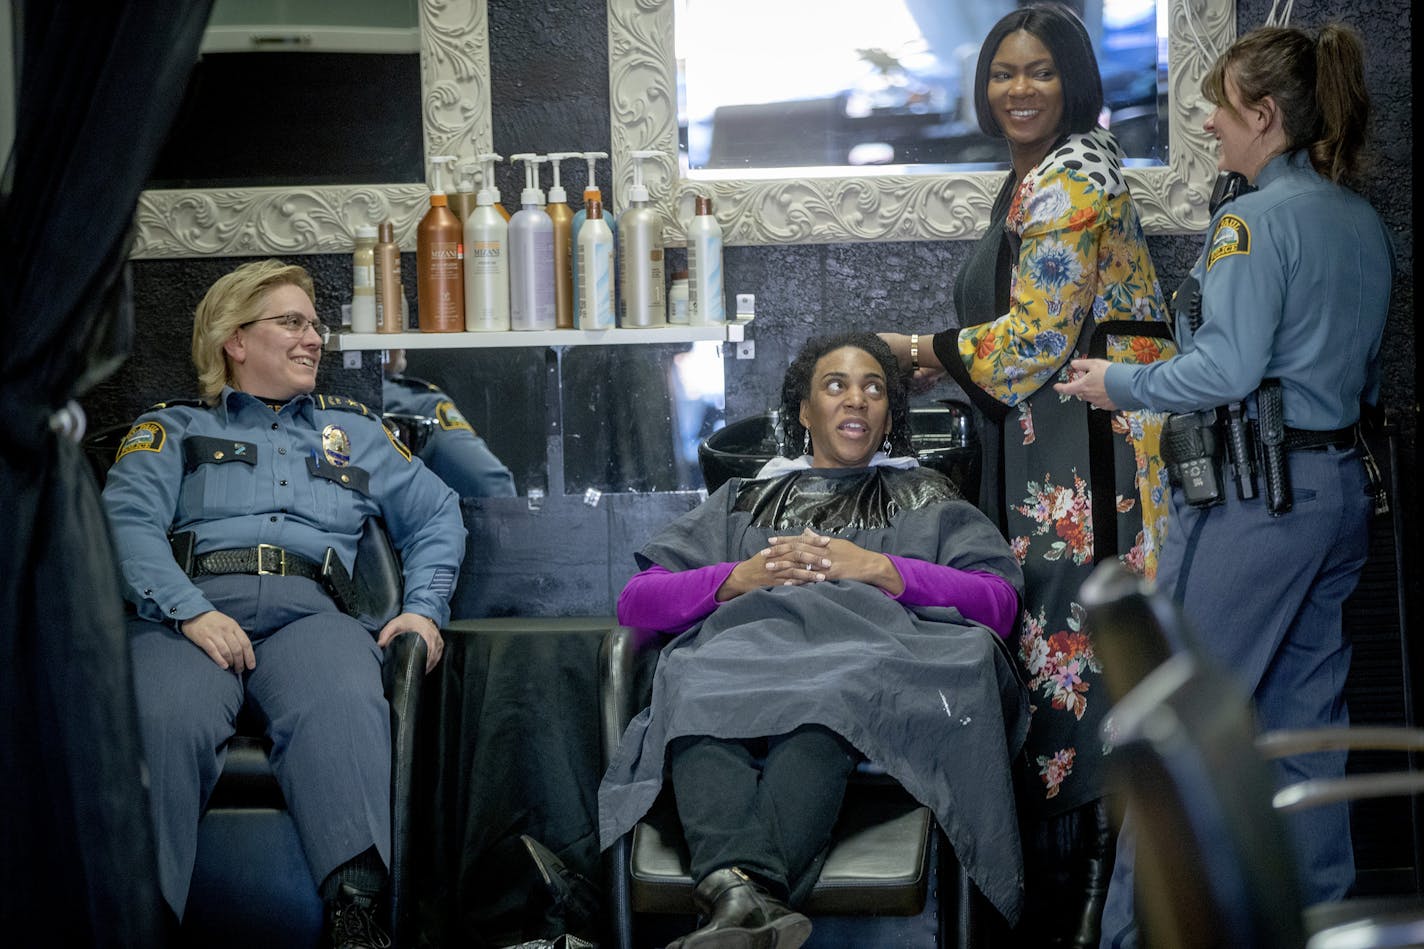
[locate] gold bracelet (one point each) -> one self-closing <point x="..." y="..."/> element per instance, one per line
<point x="914" y="352"/>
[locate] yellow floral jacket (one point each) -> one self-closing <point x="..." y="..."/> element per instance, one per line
<point x="1082" y="260"/>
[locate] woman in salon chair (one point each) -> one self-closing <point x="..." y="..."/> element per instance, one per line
<point x="844" y="604"/>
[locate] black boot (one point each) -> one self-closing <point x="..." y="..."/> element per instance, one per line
<point x="1100" y="852"/>
<point x="351" y="921"/>
<point x="739" y="914"/>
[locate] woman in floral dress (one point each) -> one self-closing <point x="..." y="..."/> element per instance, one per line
<point x="1063" y="270"/>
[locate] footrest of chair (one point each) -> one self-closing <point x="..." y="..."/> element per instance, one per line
<point x="879" y="862"/>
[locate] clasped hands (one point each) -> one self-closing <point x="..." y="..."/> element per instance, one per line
<point x="810" y="558"/>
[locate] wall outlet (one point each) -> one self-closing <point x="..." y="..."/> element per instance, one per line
<point x="746" y="349"/>
<point x="351" y="359"/>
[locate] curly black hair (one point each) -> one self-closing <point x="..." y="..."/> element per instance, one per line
<point x="796" y="387"/>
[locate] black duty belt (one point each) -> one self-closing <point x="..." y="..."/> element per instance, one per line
<point x="263" y="560"/>
<point x="1302" y="439"/>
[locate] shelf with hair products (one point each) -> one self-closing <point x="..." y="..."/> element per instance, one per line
<point x="733" y="331"/>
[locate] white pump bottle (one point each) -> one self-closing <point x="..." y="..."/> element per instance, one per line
<point x="591" y="192"/>
<point x="486" y="258"/>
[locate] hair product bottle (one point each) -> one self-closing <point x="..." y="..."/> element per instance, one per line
<point x="677" y="299"/>
<point x="563" y="217"/>
<point x="531" y="255"/>
<point x="595" y="251"/>
<point x="439" y="267"/>
<point x="363" y="281"/>
<point x="707" y="304"/>
<point x="486" y="260"/>
<point x="591" y="193"/>
<point x="462" y="202"/>
<point x="640" y="232"/>
<point x="390" y="295"/>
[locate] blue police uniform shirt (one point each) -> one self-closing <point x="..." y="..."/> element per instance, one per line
<point x="1295" y="281"/>
<point x="454" y="451"/>
<point x="303" y="477"/>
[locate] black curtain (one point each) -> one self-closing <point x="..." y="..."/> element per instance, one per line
<point x="97" y="86"/>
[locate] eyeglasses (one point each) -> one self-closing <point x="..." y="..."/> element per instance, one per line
<point x="296" y="324"/>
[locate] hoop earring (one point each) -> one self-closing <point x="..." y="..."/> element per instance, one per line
<point x="806" y="450"/>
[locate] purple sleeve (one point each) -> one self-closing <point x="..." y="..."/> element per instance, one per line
<point x="983" y="597"/>
<point x="659" y="599"/>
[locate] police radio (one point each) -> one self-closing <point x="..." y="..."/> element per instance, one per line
<point x="1229" y="186"/>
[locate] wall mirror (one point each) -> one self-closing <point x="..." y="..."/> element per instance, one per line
<point x="454" y="110"/>
<point x="282" y="86"/>
<point x="941" y="194"/>
<point x="631" y="417"/>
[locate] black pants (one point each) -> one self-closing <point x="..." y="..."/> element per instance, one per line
<point x="765" y="805"/>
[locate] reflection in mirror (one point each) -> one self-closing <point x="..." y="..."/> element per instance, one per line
<point x="634" y="415"/>
<point x="501" y="393"/>
<point x="300" y="92"/>
<point x="896" y="92"/>
<point x="887" y="203"/>
<point x="631" y="417"/>
<point x="453" y="108"/>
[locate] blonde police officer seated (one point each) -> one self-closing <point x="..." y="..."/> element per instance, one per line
<point x="267" y="477"/>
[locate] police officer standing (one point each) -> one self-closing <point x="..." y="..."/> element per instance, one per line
<point x="263" y="478"/>
<point x="1284" y="311"/>
<point x="453" y="451"/>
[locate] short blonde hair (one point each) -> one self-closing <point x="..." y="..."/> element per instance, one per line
<point x="235" y="299"/>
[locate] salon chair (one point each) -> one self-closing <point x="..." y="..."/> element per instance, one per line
<point x="1214" y="864"/>
<point x="890" y="878"/>
<point x="251" y="885"/>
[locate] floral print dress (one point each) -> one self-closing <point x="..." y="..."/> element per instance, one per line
<point x="1068" y="243"/>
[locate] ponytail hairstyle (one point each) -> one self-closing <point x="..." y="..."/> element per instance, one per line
<point x="1318" y="85"/>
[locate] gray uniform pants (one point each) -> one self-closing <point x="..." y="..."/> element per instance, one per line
<point x="317" y="683"/>
<point x="1264" y="596"/>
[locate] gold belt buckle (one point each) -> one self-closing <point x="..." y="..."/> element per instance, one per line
<point x="280" y="570"/>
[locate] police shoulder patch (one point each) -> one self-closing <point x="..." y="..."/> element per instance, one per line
<point x="145" y="436"/>
<point x="450" y="417"/>
<point x="1231" y="236"/>
<point x="341" y="402"/>
<point x="399" y="446"/>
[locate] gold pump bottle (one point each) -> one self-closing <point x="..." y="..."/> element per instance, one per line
<point x="563" y="217"/>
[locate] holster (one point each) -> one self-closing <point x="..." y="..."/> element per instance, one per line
<point x="1241" y="450"/>
<point x="1271" y="436"/>
<point x="338" y="584"/>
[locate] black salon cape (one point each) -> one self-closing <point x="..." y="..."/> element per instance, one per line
<point x="926" y="694"/>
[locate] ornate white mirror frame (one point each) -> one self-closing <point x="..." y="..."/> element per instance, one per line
<point x="235" y="222"/>
<point x="642" y="71"/>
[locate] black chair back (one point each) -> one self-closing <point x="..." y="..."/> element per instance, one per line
<point x="1215" y="866"/>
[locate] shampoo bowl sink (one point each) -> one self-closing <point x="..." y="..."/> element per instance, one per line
<point x="943" y="437"/>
